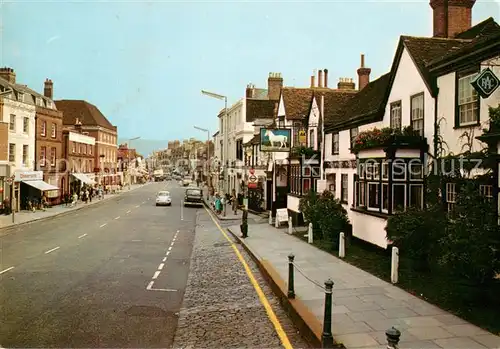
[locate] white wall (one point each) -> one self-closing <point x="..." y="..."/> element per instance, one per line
<point x="446" y="111"/>
<point x="18" y="137"/>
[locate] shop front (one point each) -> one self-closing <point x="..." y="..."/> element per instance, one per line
<point x="78" y="180"/>
<point x="30" y="187"/>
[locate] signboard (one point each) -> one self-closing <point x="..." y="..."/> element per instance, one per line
<point x="282" y="215"/>
<point x="302" y="138"/>
<point x="275" y="139"/>
<point x="485" y="83"/>
<point x="252" y="181"/>
<point x="28" y="176"/>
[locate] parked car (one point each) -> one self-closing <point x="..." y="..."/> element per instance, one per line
<point x="193" y="196"/>
<point x="163" y="199"/>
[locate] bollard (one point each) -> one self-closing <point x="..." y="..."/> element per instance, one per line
<point x="393" y="335"/>
<point x="291" y="289"/>
<point x="342" y="245"/>
<point x="310" y="233"/>
<point x="395" y="265"/>
<point x="270" y="217"/>
<point x="290" y="226"/>
<point x="276" y="222"/>
<point x="327" y="337"/>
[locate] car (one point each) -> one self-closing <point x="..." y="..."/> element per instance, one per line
<point x="163" y="198"/>
<point x="193" y="196"/>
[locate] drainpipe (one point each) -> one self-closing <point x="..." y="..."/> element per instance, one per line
<point x="436" y="126"/>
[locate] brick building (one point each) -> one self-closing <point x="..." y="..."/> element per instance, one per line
<point x="96" y="125"/>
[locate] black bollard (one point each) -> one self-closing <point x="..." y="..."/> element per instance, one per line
<point x="327" y="337"/>
<point x="393" y="335"/>
<point x="291" y="289"/>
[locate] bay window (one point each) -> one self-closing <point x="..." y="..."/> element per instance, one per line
<point x="303" y="178"/>
<point x="389" y="186"/>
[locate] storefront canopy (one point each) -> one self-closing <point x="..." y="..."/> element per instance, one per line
<point x="83" y="178"/>
<point x="41" y="185"/>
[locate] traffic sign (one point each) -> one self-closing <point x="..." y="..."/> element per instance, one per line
<point x="252" y="171"/>
<point x="486" y="83"/>
<point x="252" y="178"/>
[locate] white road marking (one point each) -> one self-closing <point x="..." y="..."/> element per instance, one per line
<point x="168" y="252"/>
<point x="144" y="202"/>
<point x="164" y="259"/>
<point x="172" y="244"/>
<point x="150" y="288"/>
<point x="177" y="232"/>
<point x="170" y="248"/>
<point x="82" y="236"/>
<point x="103" y="225"/>
<point x="150" y="285"/>
<point x="6" y="270"/>
<point x="52" y="250"/>
<point x="117" y="217"/>
<point x="155" y="276"/>
<point x="128" y="211"/>
<point x="137" y="206"/>
<point x="136" y="240"/>
<point x="160" y="267"/>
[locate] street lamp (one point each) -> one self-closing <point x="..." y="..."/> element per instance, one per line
<point x="208" y="160"/>
<point x="224" y="125"/>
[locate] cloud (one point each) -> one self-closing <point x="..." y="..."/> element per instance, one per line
<point x="54" y="38"/>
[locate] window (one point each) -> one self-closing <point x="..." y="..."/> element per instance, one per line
<point x="451" y="196"/>
<point x="344" y="187"/>
<point x="467" y="100"/>
<point x="312" y="143"/>
<point x="25" y="155"/>
<point x="353" y="133"/>
<point x="416" y="195"/>
<point x="43" y="155"/>
<point x="20" y="97"/>
<point x="85" y="148"/>
<point x="332" y="183"/>
<point x="398" y="197"/>
<point x="335" y="143"/>
<point x="239" y="149"/>
<point x="39" y="101"/>
<point x="395" y="121"/>
<point x="49" y="104"/>
<point x="73" y="147"/>
<point x="26" y="124"/>
<point x="12" y="152"/>
<point x="486" y="191"/>
<point x="52" y="156"/>
<point x="12" y="122"/>
<point x="53" y="131"/>
<point x="306" y="185"/>
<point x="43" y="131"/>
<point x="373" y="196"/>
<point x="417" y="113"/>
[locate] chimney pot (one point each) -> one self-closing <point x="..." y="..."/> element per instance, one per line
<point x="363" y="74"/>
<point x="362" y="60"/>
<point x="326" y="77"/>
<point x="48" y="89"/>
<point x="312" y="81"/>
<point x="8" y="74"/>
<point x="320" y="78"/>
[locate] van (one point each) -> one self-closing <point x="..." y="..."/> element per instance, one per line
<point x="193" y="196"/>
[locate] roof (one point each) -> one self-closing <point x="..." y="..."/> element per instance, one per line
<point x="364" y="105"/>
<point x="23" y="89"/>
<point x="254" y="141"/>
<point x="334" y="100"/>
<point x="260" y="109"/>
<point x="87" y="113"/>
<point x="260" y="93"/>
<point x="485" y="28"/>
<point x="297" y="102"/>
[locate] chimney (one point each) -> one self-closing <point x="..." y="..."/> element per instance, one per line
<point x="346" y="84"/>
<point x="48" y="90"/>
<point x="363" y="74"/>
<point x="274" y="85"/>
<point x="320" y="78"/>
<point x="326" y="77"/>
<point x="451" y="17"/>
<point x="249" y="91"/>
<point x="78" y="125"/>
<point x="313" y="81"/>
<point x="8" y="74"/>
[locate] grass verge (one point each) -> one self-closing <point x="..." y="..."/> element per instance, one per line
<point x="478" y="305"/>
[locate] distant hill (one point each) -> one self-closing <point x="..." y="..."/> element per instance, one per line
<point x="145" y="146"/>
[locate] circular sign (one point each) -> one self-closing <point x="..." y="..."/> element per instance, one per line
<point x="252" y="171"/>
<point x="252" y="178"/>
<point x="9" y="181"/>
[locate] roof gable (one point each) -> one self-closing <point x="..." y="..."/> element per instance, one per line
<point x="296" y="102"/>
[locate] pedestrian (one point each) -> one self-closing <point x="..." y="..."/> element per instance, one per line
<point x="218" y="204"/>
<point x="234" y="202"/>
<point x="75" y="199"/>
<point x="91" y="193"/>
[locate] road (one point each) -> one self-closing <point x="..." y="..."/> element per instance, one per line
<point x="123" y="273"/>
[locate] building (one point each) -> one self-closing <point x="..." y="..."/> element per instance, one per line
<point x="79" y="152"/>
<point x="401" y="118"/>
<point x="18" y="109"/>
<point x="96" y="125"/>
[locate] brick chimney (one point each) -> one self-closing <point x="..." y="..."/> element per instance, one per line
<point x="274" y="85"/>
<point x="313" y="81"/>
<point x="320" y="78"/>
<point x="8" y="74"/>
<point x="326" y="77"/>
<point x="363" y="74"/>
<point x="451" y="17"/>
<point x="346" y="84"/>
<point x="48" y="90"/>
<point x="250" y="91"/>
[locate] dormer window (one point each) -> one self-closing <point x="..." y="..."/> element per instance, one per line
<point x="49" y="104"/>
<point x="20" y="97"/>
<point x="39" y="102"/>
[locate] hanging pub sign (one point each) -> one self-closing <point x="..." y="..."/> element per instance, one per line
<point x="302" y="138"/>
<point x="275" y="139"/>
<point x="485" y="83"/>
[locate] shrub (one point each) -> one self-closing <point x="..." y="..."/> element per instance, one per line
<point x="311" y="210"/>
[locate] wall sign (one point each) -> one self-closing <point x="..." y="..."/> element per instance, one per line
<point x="282" y="215"/>
<point x="485" y="83"/>
<point x="28" y="176"/>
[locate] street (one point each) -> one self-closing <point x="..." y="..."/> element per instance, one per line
<point x="114" y="275"/>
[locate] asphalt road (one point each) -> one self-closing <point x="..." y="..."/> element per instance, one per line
<point x="110" y="275"/>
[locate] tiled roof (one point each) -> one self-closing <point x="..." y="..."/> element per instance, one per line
<point x="334" y="100"/>
<point x="365" y="104"/>
<point x="260" y="109"/>
<point x="260" y="93"/>
<point x="87" y="113"/>
<point x="485" y="28"/>
<point x="297" y="102"/>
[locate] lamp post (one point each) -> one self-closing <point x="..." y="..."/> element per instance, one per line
<point x="248" y="166"/>
<point x="224" y="125"/>
<point x="102" y="169"/>
<point x="208" y="159"/>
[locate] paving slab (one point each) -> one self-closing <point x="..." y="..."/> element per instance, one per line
<point x="364" y="306"/>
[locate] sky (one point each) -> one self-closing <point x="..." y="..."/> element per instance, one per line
<point x="143" y="64"/>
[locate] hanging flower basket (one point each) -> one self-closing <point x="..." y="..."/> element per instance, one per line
<point x="304" y="151"/>
<point x="387" y="137"/>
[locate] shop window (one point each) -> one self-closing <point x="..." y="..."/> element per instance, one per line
<point x="451" y="196"/>
<point x="344" y="188"/>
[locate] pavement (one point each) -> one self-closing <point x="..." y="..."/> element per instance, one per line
<point x="24" y="217"/>
<point x="127" y="274"/>
<point x="364" y="306"/>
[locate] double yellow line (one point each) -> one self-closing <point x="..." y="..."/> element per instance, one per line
<point x="269" y="310"/>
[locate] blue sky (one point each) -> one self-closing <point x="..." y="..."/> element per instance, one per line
<point x="144" y="63"/>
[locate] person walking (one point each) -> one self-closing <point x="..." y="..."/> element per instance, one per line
<point x="234" y="202"/>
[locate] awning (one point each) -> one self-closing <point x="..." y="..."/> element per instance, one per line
<point x="83" y="178"/>
<point x="41" y="185"/>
